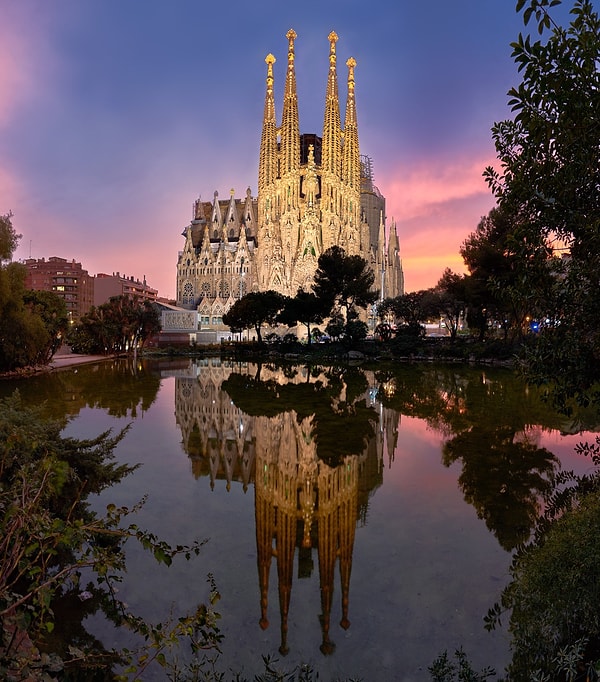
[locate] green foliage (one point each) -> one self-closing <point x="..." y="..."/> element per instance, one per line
<point x="24" y="338"/>
<point x="9" y="239"/>
<point x="52" y="310"/>
<point x="548" y="185"/>
<point x="49" y="538"/>
<point x="445" y="670"/>
<point x="554" y="591"/>
<point x="121" y="325"/>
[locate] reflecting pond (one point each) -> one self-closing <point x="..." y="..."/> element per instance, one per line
<point x="358" y="520"/>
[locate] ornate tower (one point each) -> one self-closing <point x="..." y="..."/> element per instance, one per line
<point x="308" y="187"/>
<point x="314" y="192"/>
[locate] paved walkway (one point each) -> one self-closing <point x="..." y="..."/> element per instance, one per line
<point x="59" y="361"/>
<point x="64" y="358"/>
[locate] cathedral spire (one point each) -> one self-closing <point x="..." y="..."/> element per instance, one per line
<point x="330" y="157"/>
<point x="267" y="165"/>
<point x="351" y="159"/>
<point x="290" y="126"/>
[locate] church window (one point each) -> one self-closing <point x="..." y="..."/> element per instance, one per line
<point x="188" y="293"/>
<point x="224" y="289"/>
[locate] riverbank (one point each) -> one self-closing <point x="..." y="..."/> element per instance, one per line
<point x="60" y="361"/>
<point x="63" y="359"/>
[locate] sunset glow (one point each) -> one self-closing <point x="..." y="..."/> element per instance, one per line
<point x="114" y="118"/>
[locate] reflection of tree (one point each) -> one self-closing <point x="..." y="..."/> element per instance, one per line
<point x="503" y="478"/>
<point x="342" y="422"/>
<point x="121" y="387"/>
<point x="70" y="634"/>
<point x="486" y="418"/>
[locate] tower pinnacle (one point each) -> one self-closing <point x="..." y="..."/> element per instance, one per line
<point x="351" y="154"/>
<point x="331" y="162"/>
<point x="267" y="164"/>
<point x="290" y="126"/>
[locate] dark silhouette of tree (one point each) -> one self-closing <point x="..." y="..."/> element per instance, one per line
<point x="344" y="282"/>
<point x="549" y="181"/>
<point x="447" y="300"/>
<point x="254" y="310"/>
<point x="305" y="308"/>
<point x="318" y="400"/>
<point x="494" y="256"/>
<point x="504" y="477"/>
<point x="407" y="310"/>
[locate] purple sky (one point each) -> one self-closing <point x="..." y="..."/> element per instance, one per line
<point x="115" y="115"/>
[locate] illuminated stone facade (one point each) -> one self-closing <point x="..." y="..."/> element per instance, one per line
<point x="313" y="192"/>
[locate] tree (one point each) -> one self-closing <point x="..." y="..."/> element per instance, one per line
<point x="305" y="308"/>
<point x="447" y="300"/>
<point x="335" y="326"/>
<point x="148" y="322"/>
<point x="9" y="239"/>
<point x="344" y="283"/>
<point x="52" y="310"/>
<point x="488" y="255"/>
<point x="32" y="323"/>
<point x="407" y="309"/>
<point x="255" y="310"/>
<point x="23" y="335"/>
<point x="550" y="180"/>
<point x="120" y="325"/>
<point x="499" y="261"/>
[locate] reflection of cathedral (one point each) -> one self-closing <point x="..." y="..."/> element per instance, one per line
<point x="313" y="192"/>
<point x="300" y="501"/>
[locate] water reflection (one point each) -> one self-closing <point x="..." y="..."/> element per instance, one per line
<point x="307" y="441"/>
<point x="324" y="452"/>
<point x="313" y="441"/>
<point x="121" y="387"/>
<point x="492" y="425"/>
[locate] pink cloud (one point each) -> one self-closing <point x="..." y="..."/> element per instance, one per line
<point x="24" y="54"/>
<point x="419" y="191"/>
<point x="435" y="207"/>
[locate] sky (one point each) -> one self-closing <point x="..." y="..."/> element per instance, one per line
<point x="115" y="115"/>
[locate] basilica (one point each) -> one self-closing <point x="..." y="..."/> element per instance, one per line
<point x="313" y="192"/>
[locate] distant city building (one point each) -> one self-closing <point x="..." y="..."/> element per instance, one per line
<point x="313" y="192"/>
<point x="66" y="278"/>
<point x="107" y="286"/>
